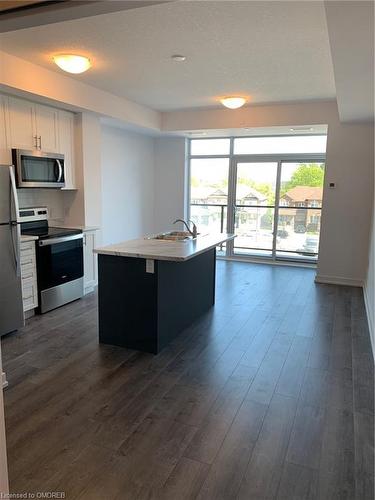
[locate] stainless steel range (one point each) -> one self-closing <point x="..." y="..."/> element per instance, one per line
<point x="59" y="259"/>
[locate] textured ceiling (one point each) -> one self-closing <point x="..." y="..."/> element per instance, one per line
<point x="270" y="51"/>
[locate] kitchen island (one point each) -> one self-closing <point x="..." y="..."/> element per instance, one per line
<point x="152" y="289"/>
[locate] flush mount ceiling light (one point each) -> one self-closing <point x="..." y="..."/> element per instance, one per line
<point x="72" y="63"/>
<point x="178" y="58"/>
<point x="233" y="102"/>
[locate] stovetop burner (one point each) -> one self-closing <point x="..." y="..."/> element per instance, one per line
<point x="45" y="231"/>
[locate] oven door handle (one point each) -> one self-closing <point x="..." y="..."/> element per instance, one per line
<point x="60" y="170"/>
<point x="63" y="239"/>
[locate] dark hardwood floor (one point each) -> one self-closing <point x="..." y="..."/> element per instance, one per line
<point x="268" y="396"/>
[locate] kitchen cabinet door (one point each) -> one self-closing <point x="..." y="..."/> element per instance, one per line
<point x="89" y="261"/>
<point x="66" y="146"/>
<point x="21" y="124"/>
<point x="47" y="128"/>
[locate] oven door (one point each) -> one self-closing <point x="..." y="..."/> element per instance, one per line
<point x="59" y="260"/>
<point x="39" y="169"/>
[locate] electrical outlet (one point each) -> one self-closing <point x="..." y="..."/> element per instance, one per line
<point x="150" y="266"/>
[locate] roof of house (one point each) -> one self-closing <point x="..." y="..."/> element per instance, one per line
<point x="242" y="192"/>
<point x="204" y="192"/>
<point x="248" y="192"/>
<point x="302" y="193"/>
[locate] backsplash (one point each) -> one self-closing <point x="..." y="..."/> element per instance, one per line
<point x="50" y="198"/>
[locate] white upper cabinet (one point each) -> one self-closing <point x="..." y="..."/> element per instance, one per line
<point x="46" y="120"/>
<point x="66" y="146"/>
<point x="27" y="125"/>
<point x="21" y="124"/>
<point x="32" y="126"/>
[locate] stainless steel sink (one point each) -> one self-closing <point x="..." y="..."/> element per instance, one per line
<point x="173" y="236"/>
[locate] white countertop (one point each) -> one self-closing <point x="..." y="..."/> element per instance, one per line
<point x="28" y="237"/>
<point x="145" y="248"/>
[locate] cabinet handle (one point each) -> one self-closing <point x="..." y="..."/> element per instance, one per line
<point x="40" y="142"/>
<point x="84" y="239"/>
<point x="36" y="141"/>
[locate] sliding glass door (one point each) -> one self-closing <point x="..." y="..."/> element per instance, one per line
<point x="299" y="210"/>
<point x="277" y="209"/>
<point x="254" y="208"/>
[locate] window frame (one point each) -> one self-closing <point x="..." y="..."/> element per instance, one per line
<point x="238" y="158"/>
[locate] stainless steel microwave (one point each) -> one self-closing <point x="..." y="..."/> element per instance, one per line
<point x="37" y="169"/>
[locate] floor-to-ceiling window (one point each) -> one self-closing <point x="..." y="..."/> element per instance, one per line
<point x="209" y="175"/>
<point x="266" y="190"/>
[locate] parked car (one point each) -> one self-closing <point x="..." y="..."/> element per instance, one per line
<point x="310" y="247"/>
<point x="282" y="233"/>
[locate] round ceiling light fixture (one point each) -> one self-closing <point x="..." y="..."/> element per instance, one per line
<point x="178" y="58"/>
<point x="72" y="63"/>
<point x="233" y="102"/>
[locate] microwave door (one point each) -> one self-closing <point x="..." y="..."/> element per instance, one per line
<point x="40" y="171"/>
<point x="33" y="170"/>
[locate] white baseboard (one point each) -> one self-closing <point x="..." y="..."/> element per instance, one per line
<point x="370" y="320"/>
<point x="89" y="289"/>
<point x="270" y="262"/>
<point x="337" y="280"/>
<point x="29" y="314"/>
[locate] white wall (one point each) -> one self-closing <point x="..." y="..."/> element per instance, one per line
<point x="83" y="206"/>
<point x="127" y="164"/>
<point x="89" y="157"/>
<point x="346" y="215"/>
<point x="51" y="198"/>
<point x="170" y="181"/>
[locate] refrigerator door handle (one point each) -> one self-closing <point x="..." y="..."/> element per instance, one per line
<point x="16" y="247"/>
<point x="14" y="192"/>
<point x="15" y="241"/>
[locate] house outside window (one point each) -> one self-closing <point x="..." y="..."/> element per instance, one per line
<point x="314" y="219"/>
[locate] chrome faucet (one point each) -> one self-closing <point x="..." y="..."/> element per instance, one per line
<point x="193" y="232"/>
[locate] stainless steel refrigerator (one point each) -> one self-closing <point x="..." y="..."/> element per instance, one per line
<point x="11" y="309"/>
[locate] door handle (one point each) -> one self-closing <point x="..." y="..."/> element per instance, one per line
<point x="62" y="239"/>
<point x="15" y="241"/>
<point x="60" y="170"/>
